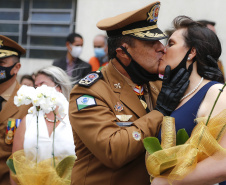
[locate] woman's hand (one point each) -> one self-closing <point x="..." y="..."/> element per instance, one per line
<point x="160" y="181"/>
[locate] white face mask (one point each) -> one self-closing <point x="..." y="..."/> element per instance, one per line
<point x="76" y="51"/>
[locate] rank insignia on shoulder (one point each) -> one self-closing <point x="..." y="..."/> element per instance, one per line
<point x="90" y="79"/>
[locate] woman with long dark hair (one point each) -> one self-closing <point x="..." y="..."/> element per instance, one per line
<point x="195" y="48"/>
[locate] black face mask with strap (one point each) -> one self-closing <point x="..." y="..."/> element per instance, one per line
<point x="5" y="73"/>
<point x="137" y="73"/>
<point x="182" y="64"/>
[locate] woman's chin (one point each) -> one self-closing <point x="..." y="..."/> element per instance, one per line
<point x="161" y="70"/>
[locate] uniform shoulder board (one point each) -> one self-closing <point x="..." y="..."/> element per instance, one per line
<point x="90" y="79"/>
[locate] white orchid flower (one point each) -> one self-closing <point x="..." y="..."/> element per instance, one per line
<point x="23" y="95"/>
<point x="44" y="97"/>
<point x="32" y="110"/>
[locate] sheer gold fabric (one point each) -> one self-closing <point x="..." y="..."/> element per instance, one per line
<point x="42" y="173"/>
<point x="176" y="162"/>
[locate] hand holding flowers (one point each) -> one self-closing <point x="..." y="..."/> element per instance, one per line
<point x="176" y="161"/>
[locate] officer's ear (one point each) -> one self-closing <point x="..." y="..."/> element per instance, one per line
<point x="121" y="54"/>
<point x="16" y="68"/>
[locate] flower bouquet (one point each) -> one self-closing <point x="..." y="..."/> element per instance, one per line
<point x="24" y="170"/>
<point x="178" y="154"/>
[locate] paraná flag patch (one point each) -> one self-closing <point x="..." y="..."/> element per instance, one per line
<point x="85" y="101"/>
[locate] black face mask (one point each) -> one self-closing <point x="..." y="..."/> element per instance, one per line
<point x="5" y="73"/>
<point x="137" y="73"/>
<point x="182" y="64"/>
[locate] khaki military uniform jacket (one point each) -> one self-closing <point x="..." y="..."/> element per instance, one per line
<point x="109" y="154"/>
<point x="10" y="110"/>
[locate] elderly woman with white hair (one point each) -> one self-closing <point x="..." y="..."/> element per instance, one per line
<point x="55" y="77"/>
<point x="26" y="135"/>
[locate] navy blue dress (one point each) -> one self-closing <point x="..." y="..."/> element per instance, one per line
<point x="185" y="115"/>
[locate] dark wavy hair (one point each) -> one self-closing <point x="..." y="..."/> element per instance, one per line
<point x="207" y="45"/>
<point x="71" y="37"/>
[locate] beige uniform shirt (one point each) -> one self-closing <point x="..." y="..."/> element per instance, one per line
<point x="9" y="110"/>
<point x="6" y="94"/>
<point x="108" y="152"/>
<point x="147" y="94"/>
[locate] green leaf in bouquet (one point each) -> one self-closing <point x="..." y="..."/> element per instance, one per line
<point x="151" y="144"/>
<point x="182" y="137"/>
<point x="65" y="166"/>
<point x="10" y="164"/>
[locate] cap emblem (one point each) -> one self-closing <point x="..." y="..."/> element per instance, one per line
<point x="153" y="13"/>
<point x="1" y="43"/>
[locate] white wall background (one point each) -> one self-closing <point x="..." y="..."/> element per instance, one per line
<point x="89" y="12"/>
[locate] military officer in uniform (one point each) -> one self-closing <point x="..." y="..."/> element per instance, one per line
<point x="10" y="114"/>
<point x="112" y="111"/>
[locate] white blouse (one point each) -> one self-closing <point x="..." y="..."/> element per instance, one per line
<point x="63" y="141"/>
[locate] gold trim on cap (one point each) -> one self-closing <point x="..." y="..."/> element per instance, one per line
<point x="148" y="35"/>
<point x="139" y="29"/>
<point x="6" y="53"/>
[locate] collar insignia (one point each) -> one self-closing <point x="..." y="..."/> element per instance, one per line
<point x="117" y="86"/>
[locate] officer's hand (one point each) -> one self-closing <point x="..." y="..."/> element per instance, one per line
<point x="172" y="91"/>
<point x="213" y="73"/>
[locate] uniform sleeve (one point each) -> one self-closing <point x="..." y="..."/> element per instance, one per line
<point x="96" y="126"/>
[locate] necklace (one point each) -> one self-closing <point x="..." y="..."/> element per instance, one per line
<point x="193" y="90"/>
<point x="50" y="119"/>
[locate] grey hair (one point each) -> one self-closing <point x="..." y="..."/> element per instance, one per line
<point x="59" y="77"/>
<point x="15" y="59"/>
<point x="104" y="37"/>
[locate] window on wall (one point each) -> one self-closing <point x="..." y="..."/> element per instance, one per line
<point x="40" y="26"/>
